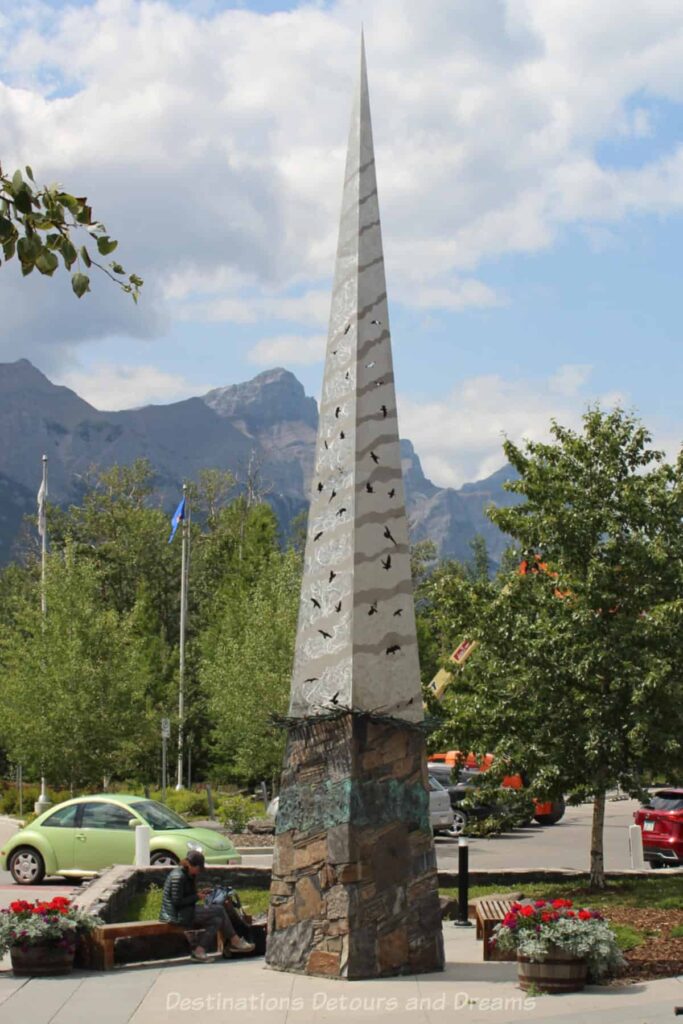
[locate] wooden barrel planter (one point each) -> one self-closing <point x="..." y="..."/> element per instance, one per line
<point x="37" y="961"/>
<point x="559" y="972"/>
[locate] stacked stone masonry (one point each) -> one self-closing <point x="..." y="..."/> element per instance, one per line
<point x="354" y="890"/>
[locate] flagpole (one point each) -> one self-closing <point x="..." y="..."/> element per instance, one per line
<point x="43" y="537"/>
<point x="43" y="802"/>
<point x="183" y="617"/>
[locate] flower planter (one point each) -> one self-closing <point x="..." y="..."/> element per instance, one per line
<point x="36" y="961"/>
<point x="558" y="972"/>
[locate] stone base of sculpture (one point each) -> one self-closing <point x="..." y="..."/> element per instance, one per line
<point x="354" y="891"/>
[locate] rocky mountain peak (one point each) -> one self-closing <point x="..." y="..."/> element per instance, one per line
<point x="272" y="397"/>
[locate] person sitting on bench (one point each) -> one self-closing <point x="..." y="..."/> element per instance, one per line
<point x="179" y="906"/>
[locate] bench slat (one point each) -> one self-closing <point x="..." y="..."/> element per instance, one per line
<point x="119" y="931"/>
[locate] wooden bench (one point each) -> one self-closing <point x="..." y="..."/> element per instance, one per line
<point x="103" y="939"/>
<point x="490" y="913"/>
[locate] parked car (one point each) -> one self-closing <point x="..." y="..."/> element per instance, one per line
<point x="80" y="837"/>
<point x="440" y="813"/>
<point x="661" y="825"/>
<point x="546" y="812"/>
<point x="457" y="793"/>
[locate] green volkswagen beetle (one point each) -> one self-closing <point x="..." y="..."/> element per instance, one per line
<point x="81" y="837"/>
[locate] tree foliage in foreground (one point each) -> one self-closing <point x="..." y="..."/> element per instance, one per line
<point x="246" y="669"/>
<point x="42" y="225"/>
<point x="74" y="696"/>
<point x="577" y="677"/>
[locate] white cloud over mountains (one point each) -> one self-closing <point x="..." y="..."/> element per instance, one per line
<point x="480" y="412"/>
<point x="212" y="145"/>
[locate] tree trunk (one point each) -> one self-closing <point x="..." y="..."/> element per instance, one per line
<point x="597" y="880"/>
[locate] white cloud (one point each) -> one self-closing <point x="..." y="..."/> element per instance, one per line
<point x="211" y="142"/>
<point x="288" y="349"/>
<point x="110" y="386"/>
<point x="459" y="437"/>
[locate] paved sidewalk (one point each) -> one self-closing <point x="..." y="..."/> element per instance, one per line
<point x="241" y="991"/>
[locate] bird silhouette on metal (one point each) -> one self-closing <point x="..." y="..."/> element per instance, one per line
<point x="384" y="411"/>
<point x="399" y="611"/>
<point x="327" y="636"/>
<point x="369" y="488"/>
<point x="338" y="606"/>
<point x="386" y="562"/>
<point x="373" y="608"/>
<point x="318" y="535"/>
<point x="332" y="575"/>
<point x="389" y="536"/>
<point x="375" y="458"/>
<point x="393" y="649"/>
<point x="337" y="411"/>
<point x="347" y="328"/>
<point x="315" y="602"/>
<point x="392" y="492"/>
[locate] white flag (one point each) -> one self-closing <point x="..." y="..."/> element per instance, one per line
<point x="42" y="495"/>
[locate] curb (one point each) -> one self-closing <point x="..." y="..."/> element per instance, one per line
<point x="255" y="851"/>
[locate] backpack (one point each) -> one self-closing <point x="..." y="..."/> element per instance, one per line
<point x="219" y="894"/>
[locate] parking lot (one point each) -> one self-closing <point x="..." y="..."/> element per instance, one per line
<point x="565" y="845"/>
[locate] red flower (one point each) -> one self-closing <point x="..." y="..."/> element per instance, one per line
<point x="19" y="906"/>
<point x="585" y="915"/>
<point x="560" y="903"/>
<point x="527" y="911"/>
<point x="571" y="913"/>
<point x="540" y="903"/>
<point x="545" y="916"/>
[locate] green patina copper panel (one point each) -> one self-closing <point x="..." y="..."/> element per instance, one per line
<point x="309" y="808"/>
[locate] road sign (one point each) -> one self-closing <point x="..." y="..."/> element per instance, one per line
<point x="165" y="728"/>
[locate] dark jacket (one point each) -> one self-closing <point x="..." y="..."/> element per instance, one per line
<point x="179" y="898"/>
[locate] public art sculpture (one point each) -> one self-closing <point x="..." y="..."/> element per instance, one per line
<point x="354" y="888"/>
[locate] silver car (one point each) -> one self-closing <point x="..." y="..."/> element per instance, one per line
<point x="440" y="810"/>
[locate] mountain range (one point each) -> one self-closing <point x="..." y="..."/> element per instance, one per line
<point x="268" y="422"/>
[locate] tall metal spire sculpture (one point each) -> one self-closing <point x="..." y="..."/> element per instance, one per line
<point x="354" y="890"/>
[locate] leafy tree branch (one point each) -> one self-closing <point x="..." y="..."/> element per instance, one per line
<point x="40" y="225"/>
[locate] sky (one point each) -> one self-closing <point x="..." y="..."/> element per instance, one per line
<point x="530" y="171"/>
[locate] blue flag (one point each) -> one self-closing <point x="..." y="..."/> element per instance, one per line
<point x="178" y="516"/>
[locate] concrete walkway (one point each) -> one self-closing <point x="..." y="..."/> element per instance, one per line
<point x="241" y="991"/>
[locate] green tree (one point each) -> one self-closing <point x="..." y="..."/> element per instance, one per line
<point x="40" y="225"/>
<point x="578" y="673"/>
<point x="246" y="667"/>
<point x="479" y="568"/>
<point x="73" y="703"/>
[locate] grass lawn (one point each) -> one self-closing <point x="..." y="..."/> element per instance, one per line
<point x="146" y="906"/>
<point x="658" y="892"/>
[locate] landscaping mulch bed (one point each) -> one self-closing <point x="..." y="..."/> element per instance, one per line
<point x="658" y="955"/>
<point x="249" y="839"/>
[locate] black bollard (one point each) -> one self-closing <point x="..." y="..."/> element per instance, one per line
<point x="463" y="883"/>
